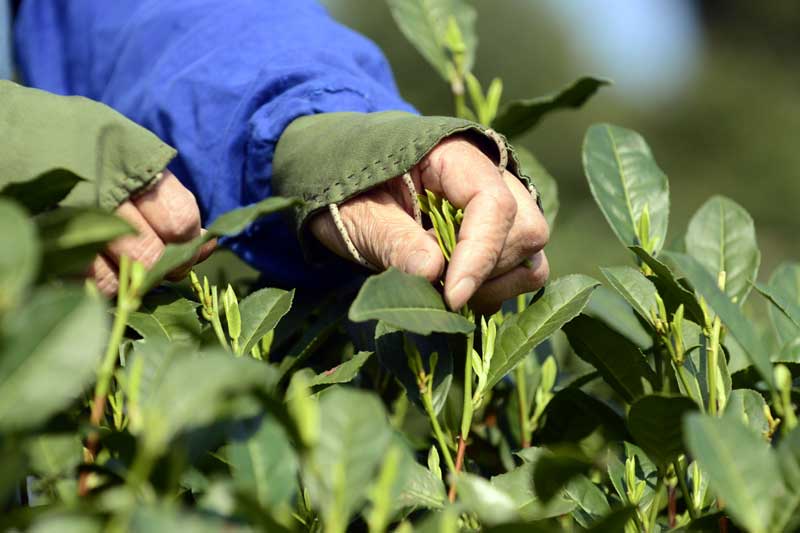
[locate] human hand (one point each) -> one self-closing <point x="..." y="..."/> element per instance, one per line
<point x="502" y="228"/>
<point x="163" y="214"/>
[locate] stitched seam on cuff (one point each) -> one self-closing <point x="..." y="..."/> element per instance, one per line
<point x="141" y="177"/>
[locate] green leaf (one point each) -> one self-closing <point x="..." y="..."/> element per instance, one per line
<point x="303" y="407"/>
<point x="784" y="292"/>
<point x="695" y="364"/>
<point x="608" y="306"/>
<point x="521" y="115"/>
<point x="406" y="302"/>
<point x="445" y="521"/>
<point x="19" y="262"/>
<point x="425" y="22"/>
<point x="392" y="356"/>
<point x="174" y="382"/>
<point x="169" y="519"/>
<point x="520" y="486"/>
<point x="226" y="225"/>
<point x="544" y="182"/>
<point x="265" y="464"/>
<point x="166" y="316"/>
<point x="645" y="470"/>
<point x="615" y="521"/>
<point x="632" y="285"/>
<point x="492" y="505"/>
<point x="539" y="526"/>
<point x="519" y="334"/>
<point x="748" y="408"/>
<point x="555" y="469"/>
<point x="421" y="489"/>
<point x="51" y="349"/>
<point x="620" y="362"/>
<point x="71" y="237"/>
<point x="52" y="456"/>
<point x="15" y="468"/>
<point x="655" y="421"/>
<point x="66" y="523"/>
<point x="590" y="498"/>
<point x="786" y="516"/>
<point x="722" y="237"/>
<point x="741" y="467"/>
<point x="236" y="221"/>
<point x="625" y="179"/>
<point x="42" y="192"/>
<point x="671" y="290"/>
<point x="730" y="314"/>
<point x="355" y="435"/>
<point x="260" y="313"/>
<point x="572" y="416"/>
<point x="343" y="373"/>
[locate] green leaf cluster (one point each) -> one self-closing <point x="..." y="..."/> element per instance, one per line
<point x="658" y="400"/>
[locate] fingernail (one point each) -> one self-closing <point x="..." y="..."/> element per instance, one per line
<point x="417" y="261"/>
<point x="461" y="293"/>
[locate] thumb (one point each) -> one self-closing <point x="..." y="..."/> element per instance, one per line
<point x="383" y="233"/>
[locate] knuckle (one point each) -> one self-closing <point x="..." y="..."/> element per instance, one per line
<point x="183" y="220"/>
<point x="147" y="250"/>
<point x="439" y="162"/>
<point x="505" y="202"/>
<point x="396" y="246"/>
<point x="106" y="281"/>
<point x="533" y="234"/>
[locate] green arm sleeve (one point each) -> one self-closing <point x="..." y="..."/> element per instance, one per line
<point x="330" y="157"/>
<point x="42" y="132"/>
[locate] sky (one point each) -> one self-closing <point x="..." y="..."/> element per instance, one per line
<point x="650" y="48"/>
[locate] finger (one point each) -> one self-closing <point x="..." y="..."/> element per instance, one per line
<point x="522" y="279"/>
<point x="170" y="209"/>
<point x="104" y="274"/>
<point x="146" y="246"/>
<point x="383" y="233"/>
<point x="529" y="233"/>
<point x="207" y="249"/>
<point x="467" y="178"/>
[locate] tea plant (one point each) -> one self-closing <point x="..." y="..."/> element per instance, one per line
<point x="664" y="405"/>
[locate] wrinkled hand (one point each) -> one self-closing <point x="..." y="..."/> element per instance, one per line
<point x="163" y="214"/>
<point x="502" y="227"/>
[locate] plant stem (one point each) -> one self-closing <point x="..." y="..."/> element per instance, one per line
<point x="141" y="468"/>
<point x="460" y="104"/>
<point x="522" y="401"/>
<point x="462" y="448"/>
<point x="672" y="507"/>
<point x="466" y="415"/>
<point x="215" y="321"/>
<point x="525" y="424"/>
<point x="713" y="362"/>
<point x="687" y="497"/>
<point x="468" y="407"/>
<point x="658" y="361"/>
<point x="427" y="401"/>
<point x="713" y="354"/>
<point x="126" y="303"/>
<point x="655" y="504"/>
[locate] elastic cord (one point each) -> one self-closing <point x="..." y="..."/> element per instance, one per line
<point x="412" y="190"/>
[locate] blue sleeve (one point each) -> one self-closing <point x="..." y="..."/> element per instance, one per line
<point x="220" y="80"/>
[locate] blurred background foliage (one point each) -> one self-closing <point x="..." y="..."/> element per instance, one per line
<point x="714" y="86"/>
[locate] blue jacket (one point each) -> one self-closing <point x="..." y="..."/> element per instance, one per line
<point x="219" y="80"/>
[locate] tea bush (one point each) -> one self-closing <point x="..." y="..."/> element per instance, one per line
<point x="185" y="407"/>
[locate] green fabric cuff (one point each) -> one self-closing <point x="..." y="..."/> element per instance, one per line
<point x="115" y="156"/>
<point x="327" y="158"/>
